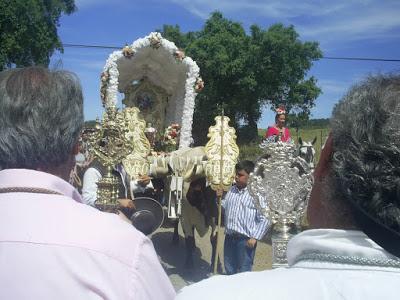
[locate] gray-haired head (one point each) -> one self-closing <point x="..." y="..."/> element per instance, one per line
<point x="41" y="116"/>
<point x="366" y="145"/>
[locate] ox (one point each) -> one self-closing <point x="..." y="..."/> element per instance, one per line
<point x="306" y="151"/>
<point x="190" y="199"/>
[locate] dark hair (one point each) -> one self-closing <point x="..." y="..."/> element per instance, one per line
<point x="246" y="165"/>
<point x="366" y="140"/>
<point x="41" y="115"/>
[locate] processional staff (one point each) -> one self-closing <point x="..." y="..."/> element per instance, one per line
<point x="109" y="145"/>
<point x="222" y="154"/>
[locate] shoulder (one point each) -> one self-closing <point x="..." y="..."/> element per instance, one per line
<point x="270" y="284"/>
<point x="271" y="129"/>
<point x="92" y="171"/>
<point x="231" y="191"/>
<point x="101" y="232"/>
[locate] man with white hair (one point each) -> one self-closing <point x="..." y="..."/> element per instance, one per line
<point x="353" y="248"/>
<point x="52" y="246"/>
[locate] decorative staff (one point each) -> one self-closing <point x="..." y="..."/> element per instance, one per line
<point x="281" y="185"/>
<point x="135" y="162"/>
<point x="109" y="147"/>
<point x="222" y="154"/>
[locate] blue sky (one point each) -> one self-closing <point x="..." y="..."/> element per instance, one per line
<point x="346" y="28"/>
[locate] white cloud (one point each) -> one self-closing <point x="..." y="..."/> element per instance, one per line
<point x="282" y="9"/>
<point x="364" y="25"/>
<point x="323" y="20"/>
<point x="274" y="8"/>
<point x="89" y="3"/>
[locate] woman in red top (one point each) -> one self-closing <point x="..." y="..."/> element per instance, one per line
<point x="278" y="129"/>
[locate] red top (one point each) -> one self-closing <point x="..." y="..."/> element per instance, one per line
<point x="284" y="132"/>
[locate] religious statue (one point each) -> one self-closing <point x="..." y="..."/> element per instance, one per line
<point x="150" y="133"/>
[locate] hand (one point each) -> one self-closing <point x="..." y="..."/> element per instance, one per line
<point x="219" y="192"/>
<point x="126" y="208"/>
<point x="144" y="180"/>
<point x="251" y="243"/>
<point x="126" y="203"/>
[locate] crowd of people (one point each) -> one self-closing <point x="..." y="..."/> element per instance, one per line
<point x="55" y="245"/>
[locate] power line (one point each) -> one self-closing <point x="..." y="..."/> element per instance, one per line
<point x="360" y="58"/>
<point x="324" y="57"/>
<point x="90" y="46"/>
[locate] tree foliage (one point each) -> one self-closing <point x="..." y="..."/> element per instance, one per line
<point x="28" y="30"/>
<point x="244" y="72"/>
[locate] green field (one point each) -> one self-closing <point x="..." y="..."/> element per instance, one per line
<point x="252" y="151"/>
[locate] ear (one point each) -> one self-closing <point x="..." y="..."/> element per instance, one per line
<point x="323" y="166"/>
<point x="75" y="149"/>
<point x="300" y="141"/>
<point x="314" y="140"/>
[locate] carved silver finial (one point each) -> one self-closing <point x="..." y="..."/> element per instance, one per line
<point x="281" y="184"/>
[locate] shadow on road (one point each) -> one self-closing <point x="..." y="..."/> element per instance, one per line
<point x="173" y="258"/>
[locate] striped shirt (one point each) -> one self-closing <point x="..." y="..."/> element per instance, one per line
<point x="241" y="214"/>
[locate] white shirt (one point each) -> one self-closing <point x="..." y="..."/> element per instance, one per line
<point x="241" y="214"/>
<point x="55" y="247"/>
<point x="306" y="279"/>
<point x="92" y="176"/>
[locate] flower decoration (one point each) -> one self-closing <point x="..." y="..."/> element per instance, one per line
<point x="127" y="51"/>
<point x="104" y="79"/>
<point x="179" y="54"/>
<point x="199" y="85"/>
<point x="155" y="40"/>
<point x="170" y="139"/>
<point x="281" y="110"/>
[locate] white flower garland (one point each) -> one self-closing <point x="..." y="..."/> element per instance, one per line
<point x="155" y="40"/>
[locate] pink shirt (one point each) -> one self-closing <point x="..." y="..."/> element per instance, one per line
<point x="275" y="131"/>
<point x="55" y="247"/>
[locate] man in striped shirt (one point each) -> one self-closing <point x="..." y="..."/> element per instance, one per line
<point x="244" y="224"/>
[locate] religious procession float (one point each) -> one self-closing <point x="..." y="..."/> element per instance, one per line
<point x="148" y="92"/>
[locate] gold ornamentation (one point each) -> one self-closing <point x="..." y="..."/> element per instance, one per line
<point x="135" y="163"/>
<point x="151" y="100"/>
<point x="109" y="146"/>
<point x="222" y="154"/>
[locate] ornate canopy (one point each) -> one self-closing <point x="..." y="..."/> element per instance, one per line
<point x="155" y="76"/>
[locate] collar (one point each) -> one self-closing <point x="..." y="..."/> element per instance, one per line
<point x="237" y="190"/>
<point x="36" y="179"/>
<point x="335" y="243"/>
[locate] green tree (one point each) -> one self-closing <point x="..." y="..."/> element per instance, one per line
<point x="28" y="30"/>
<point x="245" y="72"/>
<point x="173" y="33"/>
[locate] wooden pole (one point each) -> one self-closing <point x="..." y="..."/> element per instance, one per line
<point x="217" y="246"/>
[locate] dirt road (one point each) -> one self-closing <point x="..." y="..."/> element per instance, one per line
<point x="173" y="257"/>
